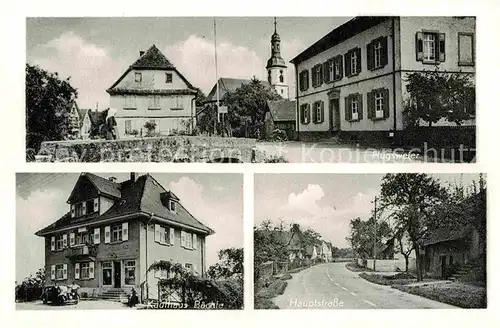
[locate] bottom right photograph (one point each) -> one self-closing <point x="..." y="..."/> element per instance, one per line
<point x="370" y="241"/>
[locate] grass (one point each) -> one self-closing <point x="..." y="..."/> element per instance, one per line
<point x="397" y="279"/>
<point x="263" y="298"/>
<point x="457" y="294"/>
<point x="353" y="266"/>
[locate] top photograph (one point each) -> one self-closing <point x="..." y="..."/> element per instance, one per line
<point x="366" y="89"/>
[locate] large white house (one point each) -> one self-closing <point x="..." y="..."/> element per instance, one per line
<point x="353" y="80"/>
<point x="153" y="90"/>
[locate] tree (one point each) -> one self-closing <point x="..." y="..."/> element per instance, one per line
<point x="247" y="107"/>
<point x="414" y="195"/>
<point x="150" y="127"/>
<point x="404" y="245"/>
<point x="362" y="234"/>
<point x="48" y="105"/>
<point x="230" y="265"/>
<point x="434" y="95"/>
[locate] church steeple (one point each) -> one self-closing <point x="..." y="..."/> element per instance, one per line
<point x="276" y="67"/>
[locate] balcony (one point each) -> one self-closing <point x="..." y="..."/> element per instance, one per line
<point x="78" y="253"/>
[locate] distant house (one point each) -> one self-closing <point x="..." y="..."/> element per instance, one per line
<point x="226" y="85"/>
<point x="280" y="114"/>
<point x="113" y="231"/>
<point x="153" y="90"/>
<point x="458" y="245"/>
<point x="79" y="121"/>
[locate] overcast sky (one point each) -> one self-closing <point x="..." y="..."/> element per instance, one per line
<point x="324" y="202"/>
<point x="214" y="199"/>
<point x="96" y="51"/>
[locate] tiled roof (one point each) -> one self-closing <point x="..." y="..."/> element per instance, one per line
<point x="139" y="197"/>
<point x="282" y="110"/>
<point x="227" y="84"/>
<point x="152" y="59"/>
<point x="122" y="91"/>
<point x="104" y="185"/>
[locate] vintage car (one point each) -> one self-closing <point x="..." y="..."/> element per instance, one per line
<point x="60" y="295"/>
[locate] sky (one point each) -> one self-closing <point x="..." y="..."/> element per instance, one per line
<point x="95" y="51"/>
<point x="214" y="199"/>
<point x="325" y="202"/>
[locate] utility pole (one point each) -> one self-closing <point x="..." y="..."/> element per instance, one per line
<point x="375" y="232"/>
<point x="217" y="74"/>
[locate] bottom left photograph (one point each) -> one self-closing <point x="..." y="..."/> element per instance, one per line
<point x="129" y="241"/>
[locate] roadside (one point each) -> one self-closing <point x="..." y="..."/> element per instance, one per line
<point x="82" y="305"/>
<point x="354" y="267"/>
<point x="454" y="293"/>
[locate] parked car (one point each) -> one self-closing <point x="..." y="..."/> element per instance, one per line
<point x="60" y="295"/>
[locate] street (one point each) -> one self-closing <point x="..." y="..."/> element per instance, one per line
<point x="330" y="152"/>
<point x="333" y="286"/>
<point x="82" y="305"/>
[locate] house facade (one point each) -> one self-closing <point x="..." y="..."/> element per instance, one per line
<point x="352" y="81"/>
<point x="153" y="90"/>
<point x="113" y="231"/>
<point x="79" y="121"/>
<point x="280" y="114"/>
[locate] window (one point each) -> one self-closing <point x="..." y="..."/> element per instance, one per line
<point x="317" y="75"/>
<point x="168" y="77"/>
<point x="338" y="68"/>
<point x="430" y="47"/>
<point x="186" y="240"/>
<point x="84" y="270"/>
<point x="89" y="206"/>
<point x="353" y="62"/>
<point x="305" y="114"/>
<point x="318" y="114"/>
<point x="129" y="102"/>
<point x="304" y="80"/>
<point x="154" y="102"/>
<point x="164" y="235"/>
<point x="465" y="49"/>
<point x="172" y="205"/>
<point x="129" y="272"/>
<point x="79" y="209"/>
<point x="59" y="242"/>
<point x="331" y="70"/>
<point x="354" y="108"/>
<point x="282" y="78"/>
<point x="128" y="126"/>
<point x="82" y="238"/>
<point x="138" y="77"/>
<point x="59" y="271"/>
<point x="177" y="103"/>
<point x="116" y="233"/>
<point x="379" y="104"/>
<point x="376" y="53"/>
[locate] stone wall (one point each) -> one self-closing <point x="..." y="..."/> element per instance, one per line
<point x="154" y="149"/>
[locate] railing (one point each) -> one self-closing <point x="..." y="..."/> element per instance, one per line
<point x="77" y="251"/>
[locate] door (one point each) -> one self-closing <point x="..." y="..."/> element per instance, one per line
<point x="334" y="111"/>
<point x="117" y="266"/>
<point x="107" y="273"/>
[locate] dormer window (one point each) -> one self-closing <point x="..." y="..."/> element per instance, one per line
<point x="172" y="206"/>
<point x="86" y="207"/>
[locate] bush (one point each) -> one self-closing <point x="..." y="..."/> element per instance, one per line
<point x="278" y="135"/>
<point x="286" y="276"/>
<point x="264" y="303"/>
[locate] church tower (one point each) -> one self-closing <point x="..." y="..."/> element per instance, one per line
<point x="276" y="67"/>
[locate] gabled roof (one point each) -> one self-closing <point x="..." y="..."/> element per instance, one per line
<point x="227" y="84"/>
<point x="140" y="197"/>
<point x="152" y="59"/>
<point x="338" y="35"/>
<point x="104" y="186"/>
<point x="82" y="112"/>
<point x="282" y="110"/>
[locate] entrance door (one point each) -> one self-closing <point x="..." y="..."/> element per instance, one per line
<point x="107" y="272"/>
<point x="334" y="112"/>
<point x="117" y="266"/>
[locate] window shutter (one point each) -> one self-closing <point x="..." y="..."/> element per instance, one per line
<point x="65" y="271"/>
<point x="419" y="46"/>
<point x="77" y="270"/>
<point x="326" y="71"/>
<point x="320" y="77"/>
<point x="157" y="233"/>
<point x="96" y="204"/>
<point x="91" y="270"/>
<point x="347" y="109"/>
<point x="313" y="75"/>
<point x="172" y="236"/>
<point x="358" y="60"/>
<point x="347" y="64"/>
<point x="125" y="231"/>
<point x="308" y="113"/>
<point x="107" y="234"/>
<point x="322" y="112"/>
<point x="97" y="235"/>
<point x="442" y="47"/>
<point x="72" y="239"/>
<point x="53" y="272"/>
<point x="195" y="241"/>
<point x="306" y="86"/>
<point x="371" y="104"/>
<point x="53" y="243"/>
<point x="383" y="53"/>
<point x="360" y="107"/>
<point x="65" y="240"/>
<point x="315" y="113"/>
<point x="369" y="56"/>
<point x="84" y="206"/>
<point x="301" y="81"/>
<point x="73" y="210"/>
<point x="385" y="93"/>
<point x="341" y="66"/>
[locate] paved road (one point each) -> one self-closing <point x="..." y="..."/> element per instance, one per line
<point x="331" y="286"/>
<point x="328" y="152"/>
<point x="82" y="305"/>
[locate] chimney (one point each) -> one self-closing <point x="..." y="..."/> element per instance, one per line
<point x="112" y="179"/>
<point x="132" y="176"/>
<point x="141" y="53"/>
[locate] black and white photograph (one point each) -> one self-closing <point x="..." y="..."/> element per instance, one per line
<point x="129" y="241"/>
<point x="370" y="241"/>
<point x="365" y="89"/>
